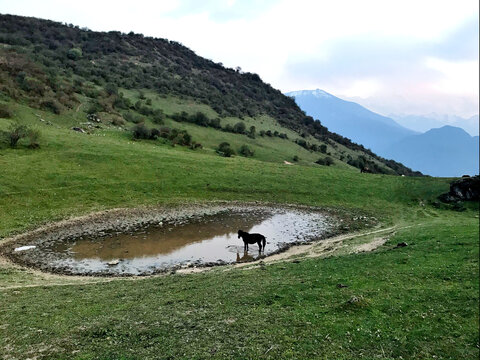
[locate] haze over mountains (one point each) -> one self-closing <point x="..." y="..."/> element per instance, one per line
<point x="444" y="151"/>
<point x="422" y="123"/>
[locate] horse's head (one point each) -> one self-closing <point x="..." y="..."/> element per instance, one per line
<point x="240" y="233"/>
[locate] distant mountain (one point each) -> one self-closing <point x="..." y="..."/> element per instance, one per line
<point x="351" y="120"/>
<point x="424" y="123"/>
<point x="447" y="151"/>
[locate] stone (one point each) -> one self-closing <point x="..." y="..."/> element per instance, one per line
<point x="464" y="189"/>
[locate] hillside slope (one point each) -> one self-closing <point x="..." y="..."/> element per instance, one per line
<point x="61" y="68"/>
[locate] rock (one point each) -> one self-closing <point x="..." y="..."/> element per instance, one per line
<point x="93" y="117"/>
<point x="401" y="244"/>
<point x="354" y="300"/>
<point x="23" y="248"/>
<point x="340" y="286"/>
<point x="80" y="130"/>
<point x="113" y="262"/>
<point x="464" y="189"/>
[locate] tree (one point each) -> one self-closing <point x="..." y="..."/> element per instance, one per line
<point x="239" y="127"/>
<point x="225" y="150"/>
<point x="251" y="132"/>
<point x="245" y="151"/>
<point x="323" y="148"/>
<point x="74" y="53"/>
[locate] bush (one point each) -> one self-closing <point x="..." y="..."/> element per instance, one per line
<point x="140" y="131"/>
<point x="295" y="158"/>
<point x="195" y="146"/>
<point x="245" y="151"/>
<point x="51" y="105"/>
<point x="74" y="53"/>
<point x="225" y="150"/>
<point x="158" y="116"/>
<point x="5" y="112"/>
<point x="326" y="161"/>
<point x="131" y="117"/>
<point x="239" y="128"/>
<point x="14" y="134"/>
<point x="323" y="148"/>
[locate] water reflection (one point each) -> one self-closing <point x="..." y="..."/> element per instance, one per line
<point x="207" y="240"/>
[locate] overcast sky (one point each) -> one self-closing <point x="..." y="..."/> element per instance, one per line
<point x="406" y="56"/>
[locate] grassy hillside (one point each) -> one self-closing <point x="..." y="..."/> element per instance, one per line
<point x="75" y="172"/>
<point x="60" y="68"/>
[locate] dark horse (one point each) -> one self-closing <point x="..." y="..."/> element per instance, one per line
<point x="252" y="239"/>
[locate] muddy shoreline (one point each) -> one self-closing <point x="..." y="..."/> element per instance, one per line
<point x="131" y="220"/>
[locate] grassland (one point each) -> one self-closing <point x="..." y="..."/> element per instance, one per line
<point x="420" y="301"/>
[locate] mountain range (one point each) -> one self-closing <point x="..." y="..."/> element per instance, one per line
<point x="422" y="123"/>
<point x="445" y="151"/>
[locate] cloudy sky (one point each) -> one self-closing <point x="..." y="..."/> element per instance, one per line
<point x="394" y="56"/>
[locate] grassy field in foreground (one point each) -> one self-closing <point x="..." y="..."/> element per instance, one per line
<point x="415" y="302"/>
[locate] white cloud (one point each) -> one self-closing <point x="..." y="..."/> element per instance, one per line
<point x="267" y="38"/>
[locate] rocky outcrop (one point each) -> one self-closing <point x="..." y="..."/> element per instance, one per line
<point x="464" y="189"/>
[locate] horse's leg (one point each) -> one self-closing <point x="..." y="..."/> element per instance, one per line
<point x="259" y="243"/>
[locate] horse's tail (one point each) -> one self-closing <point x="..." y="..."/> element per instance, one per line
<point x="264" y="241"/>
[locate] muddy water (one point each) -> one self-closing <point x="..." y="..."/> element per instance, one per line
<point x="206" y="240"/>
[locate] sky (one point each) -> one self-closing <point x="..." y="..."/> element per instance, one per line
<point x="395" y="57"/>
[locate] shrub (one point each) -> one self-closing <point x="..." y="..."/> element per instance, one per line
<point x="164" y="132"/>
<point x="158" y="116"/>
<point x="195" y="146"/>
<point x="225" y="150"/>
<point x="245" y="151"/>
<point x="74" y="53"/>
<point x="118" y="121"/>
<point x="154" y="134"/>
<point x="131" y="117"/>
<point x="51" y="105"/>
<point x="5" y="112"/>
<point x="239" y="128"/>
<point x="140" y="131"/>
<point x="295" y="158"/>
<point x="251" y="132"/>
<point x="111" y="89"/>
<point x="14" y="134"/>
<point x="326" y="161"/>
<point x="323" y="148"/>
<point x="215" y="123"/>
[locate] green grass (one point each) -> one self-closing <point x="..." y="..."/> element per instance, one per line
<point x="418" y="302"/>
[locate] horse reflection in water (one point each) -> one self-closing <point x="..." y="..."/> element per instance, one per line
<point x="245" y="258"/>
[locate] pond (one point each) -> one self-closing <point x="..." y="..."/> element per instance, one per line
<point x="201" y="240"/>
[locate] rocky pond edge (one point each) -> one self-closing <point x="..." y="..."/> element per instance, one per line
<point x="128" y="220"/>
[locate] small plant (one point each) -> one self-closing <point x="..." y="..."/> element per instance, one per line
<point x="33" y="138"/>
<point x="295" y="158"/>
<point x="5" y="112"/>
<point x="245" y="151"/>
<point x="195" y="146"/>
<point x="225" y="150"/>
